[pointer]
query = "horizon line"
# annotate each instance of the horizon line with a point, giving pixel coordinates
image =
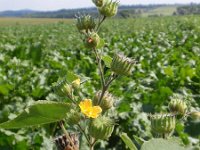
(150, 4)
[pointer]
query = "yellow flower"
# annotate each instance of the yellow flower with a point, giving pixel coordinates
(89, 110)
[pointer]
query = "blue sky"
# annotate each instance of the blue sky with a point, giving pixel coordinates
(59, 4)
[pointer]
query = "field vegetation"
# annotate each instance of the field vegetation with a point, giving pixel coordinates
(34, 53)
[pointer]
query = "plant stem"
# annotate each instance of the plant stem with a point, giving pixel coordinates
(98, 58)
(92, 148)
(100, 22)
(93, 142)
(84, 134)
(106, 86)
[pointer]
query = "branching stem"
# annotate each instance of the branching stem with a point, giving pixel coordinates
(106, 86)
(100, 22)
(82, 130)
(98, 58)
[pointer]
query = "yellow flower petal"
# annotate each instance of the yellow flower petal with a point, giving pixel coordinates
(85, 105)
(88, 110)
(95, 111)
(77, 81)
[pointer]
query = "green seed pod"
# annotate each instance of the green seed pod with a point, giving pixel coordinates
(92, 40)
(73, 117)
(85, 23)
(178, 106)
(195, 116)
(109, 8)
(107, 100)
(163, 124)
(101, 128)
(121, 65)
(98, 3)
(63, 89)
(76, 84)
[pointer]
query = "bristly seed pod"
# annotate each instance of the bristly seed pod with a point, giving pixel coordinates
(101, 128)
(109, 8)
(107, 100)
(62, 143)
(122, 65)
(98, 3)
(178, 106)
(85, 23)
(163, 124)
(76, 83)
(92, 40)
(63, 89)
(73, 117)
(195, 116)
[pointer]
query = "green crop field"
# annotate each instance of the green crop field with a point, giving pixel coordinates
(34, 53)
(29, 21)
(163, 11)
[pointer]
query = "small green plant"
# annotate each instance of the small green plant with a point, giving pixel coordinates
(163, 126)
(89, 116)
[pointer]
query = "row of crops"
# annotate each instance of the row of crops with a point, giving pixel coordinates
(167, 51)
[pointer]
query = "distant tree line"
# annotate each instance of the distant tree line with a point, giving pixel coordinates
(188, 10)
(128, 11)
(123, 12)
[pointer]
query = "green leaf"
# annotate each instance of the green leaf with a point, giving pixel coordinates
(84, 79)
(70, 77)
(107, 60)
(101, 44)
(41, 112)
(128, 141)
(5, 88)
(169, 71)
(161, 144)
(139, 140)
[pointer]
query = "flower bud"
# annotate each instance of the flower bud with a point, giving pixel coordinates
(63, 89)
(163, 124)
(92, 40)
(85, 23)
(195, 116)
(109, 9)
(76, 83)
(122, 65)
(98, 3)
(178, 106)
(73, 117)
(101, 128)
(107, 100)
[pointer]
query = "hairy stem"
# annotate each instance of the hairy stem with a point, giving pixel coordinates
(98, 58)
(100, 22)
(106, 86)
(82, 130)
(93, 142)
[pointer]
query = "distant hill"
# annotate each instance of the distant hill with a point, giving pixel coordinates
(18, 13)
(124, 11)
(188, 10)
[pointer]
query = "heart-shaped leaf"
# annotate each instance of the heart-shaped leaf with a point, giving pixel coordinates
(161, 144)
(41, 112)
(107, 60)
